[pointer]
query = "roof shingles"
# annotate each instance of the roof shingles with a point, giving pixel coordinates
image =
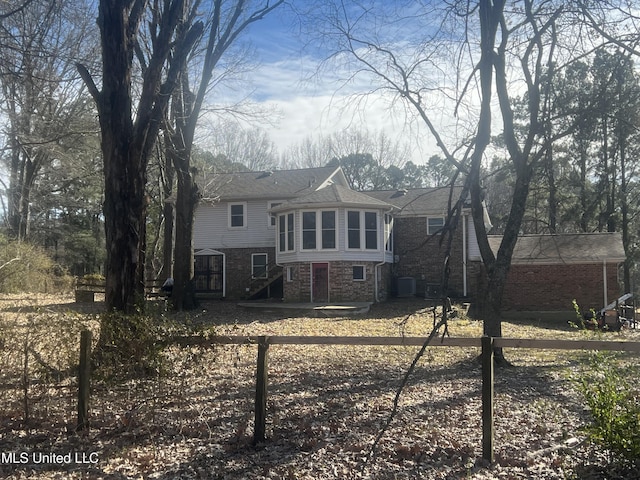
(565, 248)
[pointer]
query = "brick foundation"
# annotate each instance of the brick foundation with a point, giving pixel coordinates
(342, 287)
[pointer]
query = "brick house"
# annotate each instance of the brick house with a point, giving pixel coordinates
(418, 217)
(305, 236)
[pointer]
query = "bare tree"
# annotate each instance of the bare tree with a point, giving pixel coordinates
(41, 97)
(367, 157)
(249, 146)
(226, 23)
(14, 9)
(502, 55)
(309, 153)
(129, 131)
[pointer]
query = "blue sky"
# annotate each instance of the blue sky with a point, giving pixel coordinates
(310, 104)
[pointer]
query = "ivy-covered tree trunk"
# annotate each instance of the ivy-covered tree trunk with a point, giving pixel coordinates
(124, 167)
(125, 216)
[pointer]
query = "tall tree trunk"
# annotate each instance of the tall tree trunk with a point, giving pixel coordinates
(125, 216)
(186, 202)
(553, 190)
(168, 177)
(126, 145)
(179, 147)
(124, 167)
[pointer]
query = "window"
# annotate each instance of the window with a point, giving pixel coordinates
(308, 230)
(371, 230)
(434, 225)
(359, 273)
(329, 230)
(319, 230)
(362, 230)
(290, 231)
(353, 229)
(285, 232)
(259, 265)
(237, 213)
(289, 274)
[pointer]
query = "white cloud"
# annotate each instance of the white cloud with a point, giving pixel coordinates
(311, 105)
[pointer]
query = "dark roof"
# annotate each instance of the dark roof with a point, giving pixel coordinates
(565, 248)
(419, 201)
(333, 196)
(277, 184)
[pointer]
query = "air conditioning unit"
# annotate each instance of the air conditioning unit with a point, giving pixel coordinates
(406, 287)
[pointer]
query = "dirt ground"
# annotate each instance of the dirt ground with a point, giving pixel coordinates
(326, 404)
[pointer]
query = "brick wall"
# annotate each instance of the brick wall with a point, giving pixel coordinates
(238, 269)
(553, 287)
(342, 287)
(422, 257)
(299, 289)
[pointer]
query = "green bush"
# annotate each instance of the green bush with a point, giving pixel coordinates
(28, 268)
(614, 404)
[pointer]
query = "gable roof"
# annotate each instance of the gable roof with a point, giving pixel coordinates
(333, 196)
(419, 201)
(278, 184)
(565, 248)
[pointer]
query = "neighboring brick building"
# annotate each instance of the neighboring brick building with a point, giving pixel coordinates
(549, 271)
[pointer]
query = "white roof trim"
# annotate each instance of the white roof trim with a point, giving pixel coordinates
(207, 251)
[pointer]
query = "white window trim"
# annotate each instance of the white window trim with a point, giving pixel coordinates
(244, 216)
(272, 220)
(289, 274)
(439, 231)
(319, 231)
(364, 273)
(388, 233)
(266, 265)
(363, 231)
(287, 248)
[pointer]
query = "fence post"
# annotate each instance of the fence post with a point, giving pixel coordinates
(487, 399)
(259, 432)
(84, 373)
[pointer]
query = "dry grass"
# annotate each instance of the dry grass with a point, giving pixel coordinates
(326, 403)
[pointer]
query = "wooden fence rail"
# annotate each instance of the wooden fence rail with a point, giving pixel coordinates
(487, 345)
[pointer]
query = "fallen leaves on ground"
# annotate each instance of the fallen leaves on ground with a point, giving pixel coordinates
(326, 404)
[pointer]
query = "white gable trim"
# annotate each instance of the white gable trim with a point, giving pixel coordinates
(208, 251)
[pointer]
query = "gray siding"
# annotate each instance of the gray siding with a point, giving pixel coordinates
(212, 227)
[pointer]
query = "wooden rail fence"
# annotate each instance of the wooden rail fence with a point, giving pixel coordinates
(487, 345)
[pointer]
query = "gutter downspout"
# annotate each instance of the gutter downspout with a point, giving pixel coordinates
(464, 255)
(604, 282)
(224, 275)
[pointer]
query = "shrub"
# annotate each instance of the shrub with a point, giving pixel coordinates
(614, 404)
(129, 345)
(28, 268)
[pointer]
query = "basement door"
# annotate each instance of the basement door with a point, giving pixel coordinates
(320, 282)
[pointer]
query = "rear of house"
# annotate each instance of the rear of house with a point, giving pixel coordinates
(335, 245)
(234, 233)
(305, 236)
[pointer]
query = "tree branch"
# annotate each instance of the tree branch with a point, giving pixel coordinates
(91, 86)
